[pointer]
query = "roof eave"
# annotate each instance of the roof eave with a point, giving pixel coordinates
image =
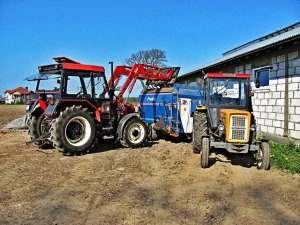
(235, 57)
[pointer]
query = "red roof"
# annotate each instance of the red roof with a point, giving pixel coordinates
(21, 90)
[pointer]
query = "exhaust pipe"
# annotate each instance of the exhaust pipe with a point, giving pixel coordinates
(112, 87)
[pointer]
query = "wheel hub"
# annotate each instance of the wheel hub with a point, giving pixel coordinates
(136, 132)
(74, 131)
(77, 131)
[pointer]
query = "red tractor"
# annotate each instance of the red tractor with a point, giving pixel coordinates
(84, 107)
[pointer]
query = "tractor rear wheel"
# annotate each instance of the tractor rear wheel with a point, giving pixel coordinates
(204, 154)
(73, 132)
(35, 128)
(135, 133)
(263, 156)
(199, 130)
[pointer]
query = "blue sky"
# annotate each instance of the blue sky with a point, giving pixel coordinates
(95, 32)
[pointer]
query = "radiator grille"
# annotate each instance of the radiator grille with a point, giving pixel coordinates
(238, 128)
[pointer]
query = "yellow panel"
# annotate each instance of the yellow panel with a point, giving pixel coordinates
(225, 115)
(200, 107)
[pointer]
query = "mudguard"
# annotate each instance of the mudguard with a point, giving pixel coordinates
(123, 121)
(36, 106)
(31, 107)
(50, 109)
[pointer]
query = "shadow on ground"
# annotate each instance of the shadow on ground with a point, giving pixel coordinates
(245, 160)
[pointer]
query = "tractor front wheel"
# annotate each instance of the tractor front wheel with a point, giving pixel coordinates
(73, 132)
(204, 154)
(36, 128)
(135, 133)
(263, 156)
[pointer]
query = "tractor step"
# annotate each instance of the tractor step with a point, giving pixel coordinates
(108, 137)
(107, 128)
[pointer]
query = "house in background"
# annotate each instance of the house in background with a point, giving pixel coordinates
(273, 60)
(17, 95)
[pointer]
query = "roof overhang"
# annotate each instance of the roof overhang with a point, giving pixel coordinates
(69, 64)
(249, 49)
(227, 75)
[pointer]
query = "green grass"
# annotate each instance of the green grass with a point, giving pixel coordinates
(285, 156)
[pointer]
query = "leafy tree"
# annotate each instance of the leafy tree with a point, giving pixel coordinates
(154, 57)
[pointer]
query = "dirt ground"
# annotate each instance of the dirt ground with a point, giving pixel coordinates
(10, 112)
(158, 184)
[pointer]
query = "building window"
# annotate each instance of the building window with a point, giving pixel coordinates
(262, 77)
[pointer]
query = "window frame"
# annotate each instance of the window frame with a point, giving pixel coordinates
(255, 73)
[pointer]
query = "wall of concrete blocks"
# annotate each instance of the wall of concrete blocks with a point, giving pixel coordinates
(269, 102)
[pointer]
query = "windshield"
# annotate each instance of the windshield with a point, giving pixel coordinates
(39, 76)
(47, 82)
(227, 91)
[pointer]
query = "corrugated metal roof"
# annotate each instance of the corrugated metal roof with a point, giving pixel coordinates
(250, 48)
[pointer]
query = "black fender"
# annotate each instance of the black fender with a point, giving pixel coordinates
(35, 109)
(123, 121)
(51, 108)
(31, 106)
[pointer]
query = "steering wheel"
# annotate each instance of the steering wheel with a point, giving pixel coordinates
(79, 93)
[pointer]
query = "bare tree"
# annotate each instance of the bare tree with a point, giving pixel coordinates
(154, 57)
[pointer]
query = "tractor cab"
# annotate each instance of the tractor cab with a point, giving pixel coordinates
(226, 91)
(67, 79)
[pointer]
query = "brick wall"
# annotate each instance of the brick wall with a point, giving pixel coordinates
(269, 102)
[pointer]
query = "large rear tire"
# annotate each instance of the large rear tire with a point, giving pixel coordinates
(204, 155)
(263, 156)
(73, 132)
(199, 130)
(135, 133)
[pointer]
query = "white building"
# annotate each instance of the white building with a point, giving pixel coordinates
(17, 95)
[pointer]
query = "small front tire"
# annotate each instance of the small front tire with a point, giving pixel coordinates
(135, 133)
(263, 156)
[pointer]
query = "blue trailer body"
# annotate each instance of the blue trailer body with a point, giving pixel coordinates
(171, 107)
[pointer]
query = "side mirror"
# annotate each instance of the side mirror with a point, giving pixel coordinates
(58, 81)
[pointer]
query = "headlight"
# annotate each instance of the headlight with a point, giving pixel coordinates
(221, 127)
(253, 128)
(105, 108)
